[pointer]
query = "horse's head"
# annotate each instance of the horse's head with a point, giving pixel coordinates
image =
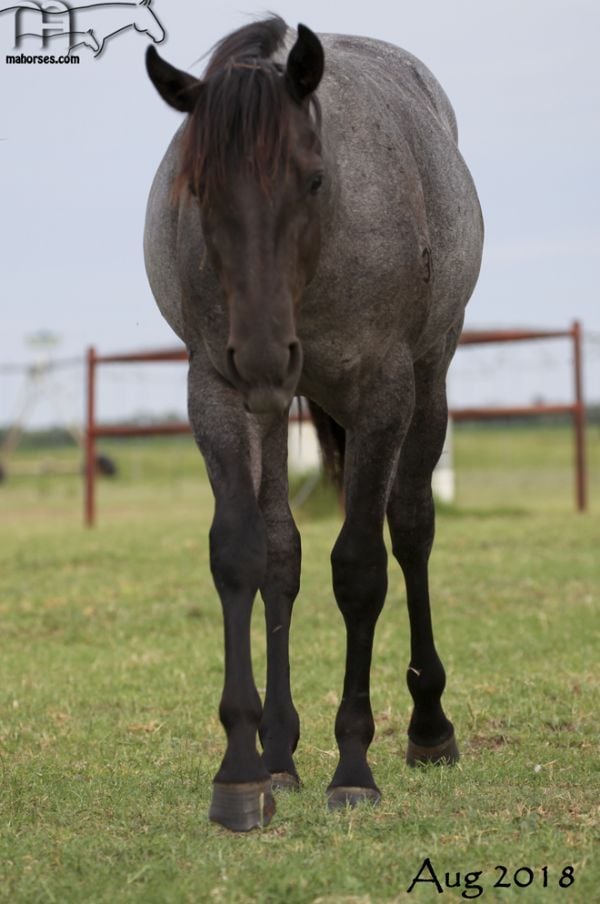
(147, 23)
(89, 39)
(251, 157)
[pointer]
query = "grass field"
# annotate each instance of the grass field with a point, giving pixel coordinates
(111, 670)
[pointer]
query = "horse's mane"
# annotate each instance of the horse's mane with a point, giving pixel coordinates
(241, 116)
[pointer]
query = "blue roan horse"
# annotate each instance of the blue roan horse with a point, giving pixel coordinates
(313, 229)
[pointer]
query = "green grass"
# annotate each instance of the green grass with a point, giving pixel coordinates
(111, 670)
(521, 467)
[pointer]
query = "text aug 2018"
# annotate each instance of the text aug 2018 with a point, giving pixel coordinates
(474, 883)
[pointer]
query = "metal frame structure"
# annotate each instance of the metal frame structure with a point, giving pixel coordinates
(576, 409)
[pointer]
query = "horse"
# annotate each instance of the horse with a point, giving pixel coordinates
(313, 230)
(109, 19)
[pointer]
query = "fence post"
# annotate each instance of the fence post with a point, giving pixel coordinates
(90, 440)
(579, 421)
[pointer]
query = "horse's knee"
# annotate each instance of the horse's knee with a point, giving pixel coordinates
(359, 570)
(282, 577)
(412, 534)
(238, 550)
(412, 550)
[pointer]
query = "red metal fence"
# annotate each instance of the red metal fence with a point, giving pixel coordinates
(576, 409)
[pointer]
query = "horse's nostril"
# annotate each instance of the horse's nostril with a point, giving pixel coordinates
(232, 370)
(295, 359)
(254, 366)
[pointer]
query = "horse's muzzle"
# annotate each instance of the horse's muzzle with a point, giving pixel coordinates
(265, 376)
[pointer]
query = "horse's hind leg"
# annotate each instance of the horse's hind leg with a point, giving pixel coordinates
(242, 797)
(411, 520)
(279, 727)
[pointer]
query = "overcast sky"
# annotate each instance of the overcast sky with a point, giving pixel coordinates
(80, 145)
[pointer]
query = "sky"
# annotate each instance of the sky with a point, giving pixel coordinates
(80, 144)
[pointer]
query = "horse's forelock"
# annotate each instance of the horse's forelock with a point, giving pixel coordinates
(241, 121)
(241, 117)
(258, 39)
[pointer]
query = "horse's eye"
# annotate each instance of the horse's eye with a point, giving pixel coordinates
(316, 183)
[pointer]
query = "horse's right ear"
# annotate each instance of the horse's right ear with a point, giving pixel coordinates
(179, 89)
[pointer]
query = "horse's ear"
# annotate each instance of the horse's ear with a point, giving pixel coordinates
(305, 63)
(179, 89)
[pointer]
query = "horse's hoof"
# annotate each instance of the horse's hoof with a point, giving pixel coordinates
(345, 796)
(285, 781)
(444, 754)
(242, 807)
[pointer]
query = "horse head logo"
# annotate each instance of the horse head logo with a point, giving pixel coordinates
(90, 25)
(110, 19)
(147, 22)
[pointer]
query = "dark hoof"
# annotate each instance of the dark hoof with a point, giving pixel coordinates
(345, 796)
(242, 807)
(285, 781)
(444, 754)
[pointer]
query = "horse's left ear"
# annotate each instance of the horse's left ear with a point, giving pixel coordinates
(305, 64)
(179, 89)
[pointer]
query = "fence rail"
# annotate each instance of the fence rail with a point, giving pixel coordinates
(576, 409)
(96, 431)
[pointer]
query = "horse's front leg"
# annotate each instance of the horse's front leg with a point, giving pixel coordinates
(359, 565)
(279, 727)
(242, 797)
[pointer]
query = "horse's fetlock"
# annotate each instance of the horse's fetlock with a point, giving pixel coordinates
(426, 683)
(282, 735)
(354, 723)
(236, 714)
